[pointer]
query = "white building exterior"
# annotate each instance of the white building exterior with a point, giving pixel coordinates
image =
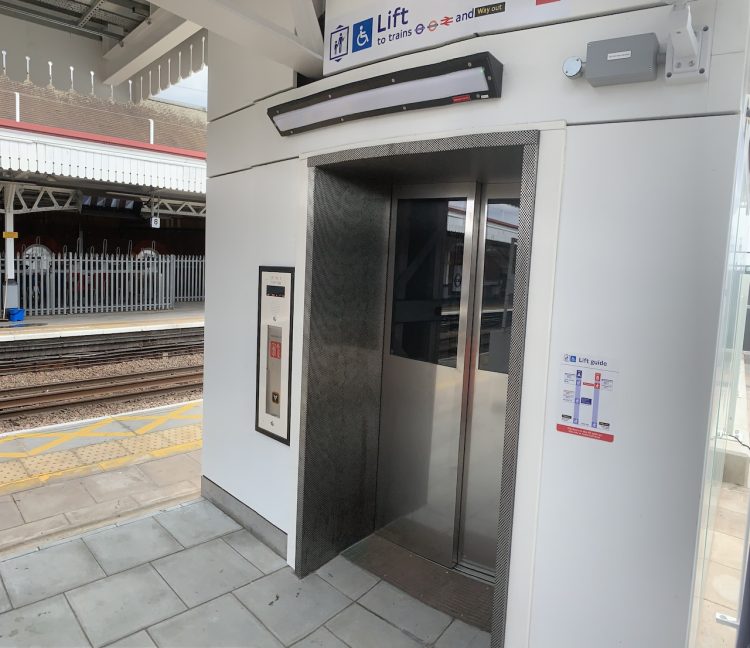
(635, 203)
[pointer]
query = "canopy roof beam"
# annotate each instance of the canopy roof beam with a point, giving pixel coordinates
(145, 44)
(237, 21)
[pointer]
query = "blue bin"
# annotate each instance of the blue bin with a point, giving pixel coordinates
(16, 314)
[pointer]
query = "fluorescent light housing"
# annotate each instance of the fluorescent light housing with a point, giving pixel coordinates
(459, 80)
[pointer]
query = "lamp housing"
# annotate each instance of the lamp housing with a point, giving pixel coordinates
(458, 80)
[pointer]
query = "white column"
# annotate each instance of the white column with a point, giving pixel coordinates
(10, 266)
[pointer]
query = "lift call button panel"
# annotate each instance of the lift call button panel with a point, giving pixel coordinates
(275, 296)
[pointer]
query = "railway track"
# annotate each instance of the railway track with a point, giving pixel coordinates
(45, 398)
(93, 350)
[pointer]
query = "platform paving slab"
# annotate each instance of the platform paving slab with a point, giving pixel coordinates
(727, 550)
(137, 608)
(11, 446)
(31, 532)
(722, 585)
(170, 470)
(10, 516)
(167, 423)
(321, 638)
(51, 571)
(49, 623)
(221, 623)
(12, 471)
(4, 600)
(292, 608)
(21, 537)
(114, 484)
(712, 634)
(129, 545)
(735, 498)
(181, 490)
(96, 453)
(347, 578)
(46, 501)
(252, 549)
(206, 571)
(45, 464)
(405, 612)
(101, 511)
(138, 640)
(196, 523)
(360, 628)
(71, 442)
(120, 605)
(462, 635)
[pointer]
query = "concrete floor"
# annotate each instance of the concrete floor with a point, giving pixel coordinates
(723, 577)
(190, 576)
(65, 479)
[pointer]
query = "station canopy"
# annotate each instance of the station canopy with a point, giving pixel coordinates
(39, 154)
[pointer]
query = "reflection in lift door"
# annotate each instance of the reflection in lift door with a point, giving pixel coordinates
(423, 368)
(445, 371)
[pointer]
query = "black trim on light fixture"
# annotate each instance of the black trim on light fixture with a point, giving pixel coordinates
(493, 73)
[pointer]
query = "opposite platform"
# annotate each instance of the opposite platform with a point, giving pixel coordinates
(184, 315)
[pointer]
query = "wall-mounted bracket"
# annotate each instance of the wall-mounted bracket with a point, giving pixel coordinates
(688, 49)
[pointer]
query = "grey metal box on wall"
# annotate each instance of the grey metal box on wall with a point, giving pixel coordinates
(630, 59)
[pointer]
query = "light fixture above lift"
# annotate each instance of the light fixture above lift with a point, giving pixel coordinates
(458, 80)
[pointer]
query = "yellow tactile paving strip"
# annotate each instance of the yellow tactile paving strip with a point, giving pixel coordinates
(106, 451)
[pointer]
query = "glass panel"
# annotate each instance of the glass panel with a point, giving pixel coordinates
(428, 274)
(723, 544)
(498, 285)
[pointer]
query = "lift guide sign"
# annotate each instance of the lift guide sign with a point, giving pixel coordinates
(380, 31)
(586, 407)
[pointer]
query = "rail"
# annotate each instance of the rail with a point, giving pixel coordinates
(49, 354)
(66, 284)
(27, 400)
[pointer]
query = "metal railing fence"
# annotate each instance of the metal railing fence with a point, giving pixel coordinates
(63, 284)
(190, 278)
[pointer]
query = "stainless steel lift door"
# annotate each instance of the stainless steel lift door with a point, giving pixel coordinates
(445, 371)
(423, 368)
(488, 376)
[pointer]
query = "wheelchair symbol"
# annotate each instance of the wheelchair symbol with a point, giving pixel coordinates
(363, 40)
(362, 35)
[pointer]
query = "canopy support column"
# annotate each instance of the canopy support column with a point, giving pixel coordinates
(10, 292)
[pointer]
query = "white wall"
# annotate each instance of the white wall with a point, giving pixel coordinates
(258, 219)
(239, 77)
(643, 233)
(605, 535)
(534, 89)
(535, 370)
